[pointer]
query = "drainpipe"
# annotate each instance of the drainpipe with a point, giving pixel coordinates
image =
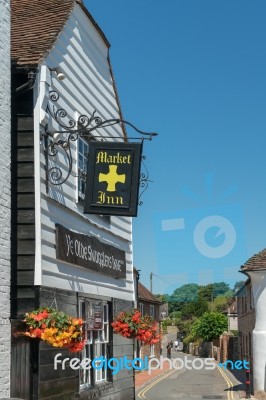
(26, 86)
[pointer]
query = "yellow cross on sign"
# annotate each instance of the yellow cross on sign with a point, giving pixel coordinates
(112, 178)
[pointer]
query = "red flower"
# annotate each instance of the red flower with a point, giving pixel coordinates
(133, 324)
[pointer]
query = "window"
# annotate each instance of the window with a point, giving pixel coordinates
(152, 350)
(152, 310)
(96, 345)
(141, 308)
(83, 151)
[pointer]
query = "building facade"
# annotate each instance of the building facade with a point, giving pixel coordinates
(232, 317)
(148, 304)
(62, 258)
(246, 321)
(5, 200)
(255, 269)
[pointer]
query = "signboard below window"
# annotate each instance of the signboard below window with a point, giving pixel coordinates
(112, 184)
(89, 252)
(94, 316)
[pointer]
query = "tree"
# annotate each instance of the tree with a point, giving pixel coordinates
(220, 304)
(209, 326)
(164, 298)
(175, 315)
(212, 290)
(185, 293)
(194, 309)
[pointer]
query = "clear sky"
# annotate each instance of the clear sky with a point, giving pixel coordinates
(194, 71)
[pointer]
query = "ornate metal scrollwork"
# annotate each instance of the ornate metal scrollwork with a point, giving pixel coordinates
(144, 180)
(59, 141)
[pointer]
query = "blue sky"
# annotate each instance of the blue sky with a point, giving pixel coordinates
(194, 71)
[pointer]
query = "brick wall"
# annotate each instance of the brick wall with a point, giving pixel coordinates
(5, 199)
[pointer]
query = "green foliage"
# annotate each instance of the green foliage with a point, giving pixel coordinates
(213, 290)
(185, 293)
(165, 323)
(184, 326)
(194, 309)
(220, 304)
(175, 315)
(209, 326)
(164, 298)
(192, 292)
(190, 338)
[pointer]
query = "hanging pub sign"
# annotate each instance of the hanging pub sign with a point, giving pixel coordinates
(112, 185)
(89, 252)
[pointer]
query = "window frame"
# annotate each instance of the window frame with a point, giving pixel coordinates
(98, 344)
(81, 172)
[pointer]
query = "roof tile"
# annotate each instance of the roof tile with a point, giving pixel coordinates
(35, 26)
(258, 261)
(145, 294)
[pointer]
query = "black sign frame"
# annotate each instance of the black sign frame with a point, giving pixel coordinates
(122, 160)
(90, 253)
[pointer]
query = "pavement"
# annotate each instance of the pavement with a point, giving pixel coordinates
(144, 377)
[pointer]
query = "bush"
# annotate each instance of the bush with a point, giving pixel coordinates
(210, 326)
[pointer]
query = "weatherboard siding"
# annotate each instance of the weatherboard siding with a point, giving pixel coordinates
(82, 55)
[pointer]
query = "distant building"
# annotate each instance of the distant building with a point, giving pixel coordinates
(232, 317)
(148, 304)
(164, 314)
(253, 303)
(246, 320)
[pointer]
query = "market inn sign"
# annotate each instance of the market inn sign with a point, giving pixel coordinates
(113, 178)
(114, 168)
(89, 252)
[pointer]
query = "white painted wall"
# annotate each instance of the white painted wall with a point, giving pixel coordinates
(258, 283)
(82, 55)
(5, 199)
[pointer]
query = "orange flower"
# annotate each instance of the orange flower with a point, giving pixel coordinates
(55, 328)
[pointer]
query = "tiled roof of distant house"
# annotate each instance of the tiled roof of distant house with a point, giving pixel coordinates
(146, 295)
(35, 26)
(257, 262)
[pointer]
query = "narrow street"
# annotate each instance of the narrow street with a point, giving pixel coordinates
(191, 384)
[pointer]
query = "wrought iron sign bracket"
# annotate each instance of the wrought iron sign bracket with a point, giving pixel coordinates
(59, 141)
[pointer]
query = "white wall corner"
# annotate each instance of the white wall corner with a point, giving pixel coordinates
(45, 83)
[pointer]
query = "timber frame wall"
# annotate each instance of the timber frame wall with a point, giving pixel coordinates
(23, 203)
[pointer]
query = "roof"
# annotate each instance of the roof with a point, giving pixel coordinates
(146, 295)
(35, 26)
(243, 287)
(257, 262)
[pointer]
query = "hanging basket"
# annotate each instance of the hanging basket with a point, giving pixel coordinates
(133, 325)
(56, 328)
